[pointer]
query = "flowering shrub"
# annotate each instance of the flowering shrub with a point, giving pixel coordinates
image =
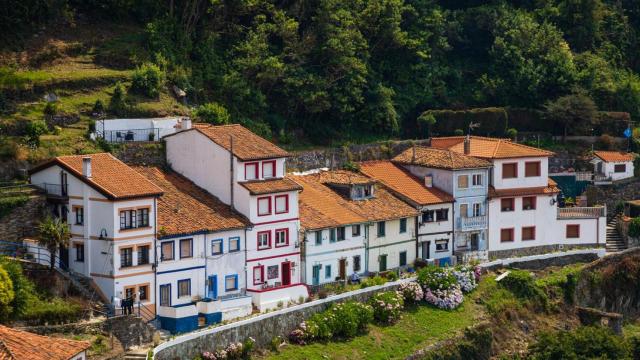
(340, 320)
(466, 278)
(411, 291)
(234, 351)
(387, 306)
(436, 278)
(449, 298)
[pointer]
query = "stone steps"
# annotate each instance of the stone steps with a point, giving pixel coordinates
(614, 240)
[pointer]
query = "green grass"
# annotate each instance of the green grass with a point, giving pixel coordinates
(557, 277)
(63, 74)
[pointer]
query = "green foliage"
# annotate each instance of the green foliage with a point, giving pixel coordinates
(98, 107)
(6, 294)
(426, 120)
(51, 108)
(634, 227)
(148, 79)
(476, 345)
(54, 311)
(213, 113)
(387, 306)
(572, 111)
(511, 133)
(522, 284)
(117, 103)
(7, 204)
(23, 288)
(342, 320)
(34, 130)
(54, 233)
(372, 281)
(583, 343)
(435, 277)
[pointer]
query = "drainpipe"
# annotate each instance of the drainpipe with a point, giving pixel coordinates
(205, 265)
(155, 257)
(417, 231)
(231, 172)
(246, 269)
(366, 248)
(453, 228)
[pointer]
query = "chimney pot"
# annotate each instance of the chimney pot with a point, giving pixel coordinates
(467, 145)
(186, 123)
(86, 166)
(428, 181)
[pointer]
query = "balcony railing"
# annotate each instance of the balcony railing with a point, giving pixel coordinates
(117, 136)
(601, 178)
(581, 212)
(472, 223)
(56, 190)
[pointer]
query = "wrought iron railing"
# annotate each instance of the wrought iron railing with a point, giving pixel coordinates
(581, 212)
(53, 189)
(116, 136)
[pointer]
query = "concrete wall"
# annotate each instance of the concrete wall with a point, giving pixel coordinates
(262, 328)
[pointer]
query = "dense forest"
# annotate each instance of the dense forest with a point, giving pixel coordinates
(324, 68)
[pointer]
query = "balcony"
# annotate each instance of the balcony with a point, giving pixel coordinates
(471, 223)
(54, 191)
(581, 212)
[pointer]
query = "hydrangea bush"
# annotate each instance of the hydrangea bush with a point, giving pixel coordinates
(387, 306)
(444, 298)
(436, 278)
(344, 320)
(234, 351)
(443, 286)
(466, 277)
(412, 292)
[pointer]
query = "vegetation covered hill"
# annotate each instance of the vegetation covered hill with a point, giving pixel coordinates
(325, 70)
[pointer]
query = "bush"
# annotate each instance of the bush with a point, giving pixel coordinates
(391, 276)
(466, 277)
(523, 286)
(7, 204)
(436, 278)
(511, 133)
(634, 227)
(55, 311)
(587, 342)
(449, 298)
(34, 130)
(98, 108)
(373, 281)
(23, 288)
(50, 108)
(344, 320)
(234, 351)
(7, 294)
(412, 292)
(148, 80)
(117, 103)
(213, 113)
(605, 142)
(387, 306)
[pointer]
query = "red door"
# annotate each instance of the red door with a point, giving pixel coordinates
(286, 273)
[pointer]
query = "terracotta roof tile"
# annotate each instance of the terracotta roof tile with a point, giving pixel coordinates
(439, 158)
(110, 176)
(550, 189)
(489, 148)
(344, 177)
(403, 183)
(271, 186)
(614, 156)
(322, 206)
(246, 144)
(22, 345)
(185, 208)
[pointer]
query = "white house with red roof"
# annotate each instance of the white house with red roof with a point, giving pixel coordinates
(524, 217)
(247, 172)
(612, 165)
(111, 211)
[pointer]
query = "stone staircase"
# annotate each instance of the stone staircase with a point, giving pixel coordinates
(614, 240)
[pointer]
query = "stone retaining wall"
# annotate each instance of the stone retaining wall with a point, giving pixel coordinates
(23, 221)
(539, 250)
(610, 195)
(537, 262)
(262, 328)
(144, 154)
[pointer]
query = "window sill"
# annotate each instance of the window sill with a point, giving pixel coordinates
(233, 251)
(186, 257)
(220, 253)
(528, 239)
(264, 248)
(281, 246)
(133, 266)
(136, 228)
(230, 290)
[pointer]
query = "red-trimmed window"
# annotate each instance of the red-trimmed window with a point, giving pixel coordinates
(573, 231)
(532, 168)
(507, 204)
(264, 206)
(282, 237)
(258, 275)
(251, 171)
(506, 235)
(510, 170)
(268, 169)
(529, 203)
(282, 204)
(528, 233)
(264, 240)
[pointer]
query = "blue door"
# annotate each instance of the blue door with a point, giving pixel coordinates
(316, 274)
(212, 292)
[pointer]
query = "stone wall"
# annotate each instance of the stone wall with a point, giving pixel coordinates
(539, 250)
(538, 262)
(262, 328)
(610, 195)
(22, 221)
(337, 157)
(129, 330)
(145, 154)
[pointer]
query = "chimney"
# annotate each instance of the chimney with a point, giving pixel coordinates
(428, 181)
(186, 123)
(86, 167)
(467, 145)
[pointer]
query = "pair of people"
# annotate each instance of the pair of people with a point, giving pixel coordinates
(126, 305)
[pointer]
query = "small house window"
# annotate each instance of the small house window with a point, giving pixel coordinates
(332, 235)
(477, 209)
(272, 272)
(126, 257)
(442, 215)
(403, 226)
(620, 168)
(573, 231)
(282, 237)
(529, 233)
(268, 169)
(355, 230)
(506, 235)
(282, 204)
(166, 251)
(442, 245)
(381, 228)
(216, 247)
(143, 217)
(510, 170)
(231, 282)
(184, 287)
(251, 171)
(529, 203)
(258, 275)
(143, 292)
(264, 240)
(428, 216)
(264, 206)
(186, 248)
(477, 180)
(127, 219)
(234, 244)
(341, 233)
(506, 204)
(356, 263)
(79, 215)
(327, 271)
(403, 258)
(319, 237)
(463, 181)
(79, 252)
(143, 254)
(532, 168)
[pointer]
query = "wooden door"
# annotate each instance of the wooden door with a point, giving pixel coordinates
(342, 269)
(286, 273)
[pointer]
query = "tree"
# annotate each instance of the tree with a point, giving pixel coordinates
(213, 113)
(117, 104)
(6, 294)
(576, 111)
(54, 233)
(34, 130)
(148, 80)
(426, 120)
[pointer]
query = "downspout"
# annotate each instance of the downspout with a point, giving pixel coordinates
(453, 229)
(417, 233)
(206, 273)
(231, 174)
(366, 248)
(155, 257)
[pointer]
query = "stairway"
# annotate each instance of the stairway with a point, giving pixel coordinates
(137, 354)
(614, 240)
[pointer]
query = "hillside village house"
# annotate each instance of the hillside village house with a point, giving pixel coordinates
(111, 210)
(201, 260)
(524, 217)
(434, 222)
(612, 165)
(333, 242)
(467, 179)
(247, 172)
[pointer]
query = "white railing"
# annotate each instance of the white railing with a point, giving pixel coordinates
(601, 178)
(584, 176)
(471, 223)
(581, 212)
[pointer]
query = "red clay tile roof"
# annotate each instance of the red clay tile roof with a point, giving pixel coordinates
(270, 186)
(22, 345)
(109, 176)
(344, 177)
(489, 148)
(614, 156)
(439, 158)
(403, 183)
(246, 144)
(185, 208)
(550, 189)
(322, 197)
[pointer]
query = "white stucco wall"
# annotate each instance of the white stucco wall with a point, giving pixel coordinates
(391, 244)
(521, 181)
(608, 169)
